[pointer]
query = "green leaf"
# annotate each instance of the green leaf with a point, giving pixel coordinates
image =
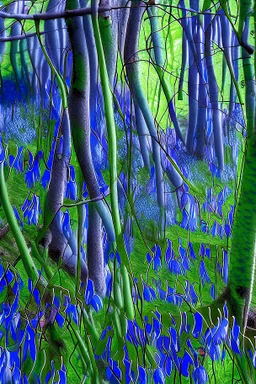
(206, 5)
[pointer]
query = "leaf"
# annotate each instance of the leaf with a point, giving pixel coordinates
(206, 5)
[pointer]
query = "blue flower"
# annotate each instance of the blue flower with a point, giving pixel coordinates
(158, 376)
(185, 364)
(66, 227)
(32, 209)
(142, 375)
(17, 215)
(220, 332)
(212, 291)
(175, 267)
(33, 173)
(46, 178)
(203, 273)
(214, 229)
(225, 266)
(191, 251)
(235, 337)
(200, 375)
(71, 190)
(169, 252)
(157, 258)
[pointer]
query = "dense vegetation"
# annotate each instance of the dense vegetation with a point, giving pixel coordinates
(127, 191)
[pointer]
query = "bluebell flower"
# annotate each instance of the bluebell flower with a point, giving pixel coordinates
(111, 375)
(185, 219)
(66, 227)
(142, 375)
(184, 327)
(46, 178)
(157, 259)
(17, 215)
(231, 215)
(158, 376)
(220, 332)
(191, 295)
(169, 252)
(200, 375)
(193, 215)
(131, 336)
(225, 266)
(203, 273)
(227, 229)
(60, 320)
(148, 258)
(191, 251)
(214, 229)
(157, 326)
(214, 351)
(146, 293)
(212, 291)
(235, 337)
(185, 199)
(202, 249)
(175, 267)
(162, 293)
(89, 293)
(204, 226)
(96, 303)
(225, 310)
(185, 364)
(63, 375)
(168, 365)
(103, 186)
(29, 343)
(71, 190)
(31, 209)
(33, 174)
(220, 230)
(128, 371)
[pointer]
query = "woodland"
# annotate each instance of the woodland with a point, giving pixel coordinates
(127, 191)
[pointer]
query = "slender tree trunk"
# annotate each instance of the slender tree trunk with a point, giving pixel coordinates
(108, 22)
(78, 104)
(242, 258)
(213, 95)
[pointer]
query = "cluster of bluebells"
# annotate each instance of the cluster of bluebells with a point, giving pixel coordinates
(169, 356)
(20, 337)
(180, 264)
(157, 337)
(189, 209)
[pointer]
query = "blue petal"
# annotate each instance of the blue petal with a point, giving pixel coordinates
(142, 376)
(198, 324)
(185, 364)
(89, 292)
(96, 302)
(200, 375)
(158, 376)
(60, 320)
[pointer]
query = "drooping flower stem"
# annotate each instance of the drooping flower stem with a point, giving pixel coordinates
(112, 146)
